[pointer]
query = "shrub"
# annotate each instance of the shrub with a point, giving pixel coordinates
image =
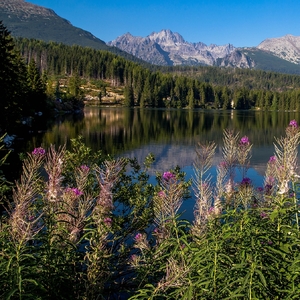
(84, 226)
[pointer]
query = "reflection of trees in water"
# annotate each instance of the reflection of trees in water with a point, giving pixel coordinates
(115, 130)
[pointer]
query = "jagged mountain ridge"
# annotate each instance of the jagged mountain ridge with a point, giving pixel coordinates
(168, 48)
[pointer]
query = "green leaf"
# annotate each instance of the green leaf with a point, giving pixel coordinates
(261, 276)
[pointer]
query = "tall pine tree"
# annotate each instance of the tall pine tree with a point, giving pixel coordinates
(13, 85)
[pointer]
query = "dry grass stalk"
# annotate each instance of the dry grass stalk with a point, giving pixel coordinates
(24, 219)
(202, 185)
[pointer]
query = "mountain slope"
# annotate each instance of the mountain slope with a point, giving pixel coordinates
(24, 19)
(286, 47)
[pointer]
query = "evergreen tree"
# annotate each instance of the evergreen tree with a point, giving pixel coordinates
(74, 86)
(37, 89)
(13, 86)
(129, 97)
(191, 97)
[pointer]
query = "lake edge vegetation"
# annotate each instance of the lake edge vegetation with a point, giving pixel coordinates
(85, 226)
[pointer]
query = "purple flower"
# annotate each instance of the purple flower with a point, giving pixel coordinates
(85, 168)
(260, 189)
(246, 181)
(39, 151)
(272, 159)
(244, 140)
(161, 194)
(77, 192)
(293, 123)
(74, 191)
(138, 237)
(107, 221)
(263, 215)
(134, 258)
(156, 230)
(168, 176)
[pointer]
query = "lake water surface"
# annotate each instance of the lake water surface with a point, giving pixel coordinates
(171, 135)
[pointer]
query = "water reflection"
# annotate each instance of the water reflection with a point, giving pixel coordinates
(171, 135)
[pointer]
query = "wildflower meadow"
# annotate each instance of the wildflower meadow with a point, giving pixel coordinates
(82, 225)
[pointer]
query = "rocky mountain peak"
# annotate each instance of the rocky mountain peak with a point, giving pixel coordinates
(286, 47)
(169, 48)
(166, 37)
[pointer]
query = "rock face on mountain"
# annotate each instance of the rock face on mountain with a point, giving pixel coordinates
(236, 59)
(286, 47)
(168, 48)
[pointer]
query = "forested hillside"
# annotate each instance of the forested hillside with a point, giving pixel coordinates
(153, 86)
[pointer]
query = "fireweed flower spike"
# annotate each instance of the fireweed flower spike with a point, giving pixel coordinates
(168, 176)
(141, 241)
(272, 159)
(293, 123)
(74, 191)
(85, 168)
(39, 151)
(138, 237)
(244, 140)
(107, 221)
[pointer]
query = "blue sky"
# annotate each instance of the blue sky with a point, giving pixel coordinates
(238, 22)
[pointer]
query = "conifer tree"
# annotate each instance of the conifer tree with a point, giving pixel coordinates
(129, 97)
(13, 86)
(37, 89)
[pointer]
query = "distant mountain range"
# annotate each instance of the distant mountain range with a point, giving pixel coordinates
(165, 48)
(170, 48)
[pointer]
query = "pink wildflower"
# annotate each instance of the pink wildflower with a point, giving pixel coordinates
(85, 168)
(156, 230)
(244, 140)
(246, 181)
(75, 191)
(272, 159)
(263, 215)
(107, 221)
(39, 151)
(168, 176)
(161, 194)
(293, 123)
(138, 237)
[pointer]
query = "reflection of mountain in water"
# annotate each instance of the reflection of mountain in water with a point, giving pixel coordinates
(168, 156)
(171, 135)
